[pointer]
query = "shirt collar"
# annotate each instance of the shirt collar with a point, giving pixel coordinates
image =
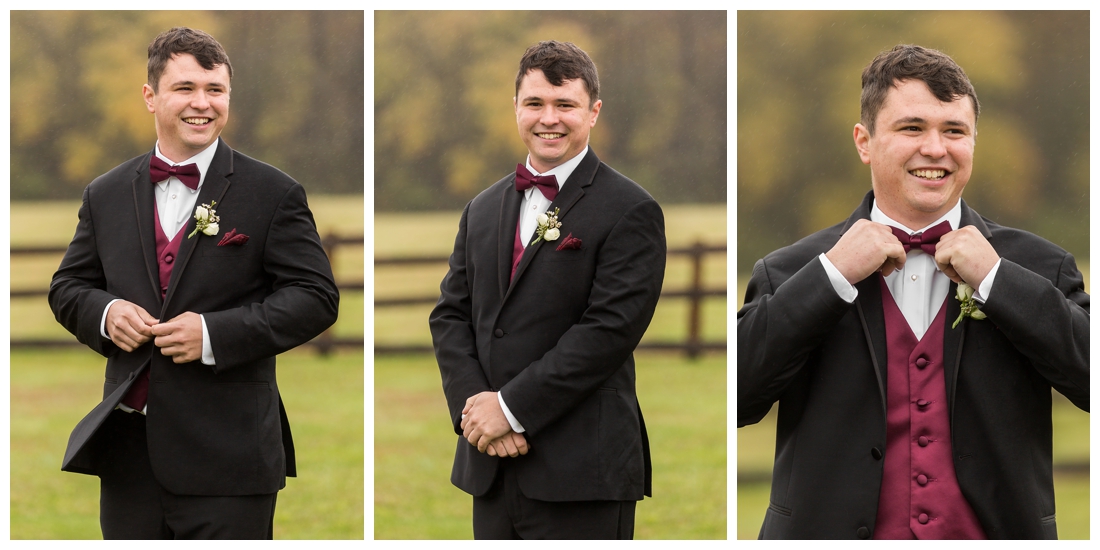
(562, 171)
(953, 216)
(201, 160)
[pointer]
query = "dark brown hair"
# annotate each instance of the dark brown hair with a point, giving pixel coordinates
(180, 40)
(561, 61)
(943, 76)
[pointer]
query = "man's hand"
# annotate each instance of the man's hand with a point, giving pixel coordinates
(180, 338)
(512, 444)
(129, 325)
(483, 420)
(965, 256)
(865, 248)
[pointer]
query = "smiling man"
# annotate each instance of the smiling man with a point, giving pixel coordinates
(554, 277)
(191, 268)
(913, 347)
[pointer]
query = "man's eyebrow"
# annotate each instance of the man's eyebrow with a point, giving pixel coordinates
(192, 84)
(919, 120)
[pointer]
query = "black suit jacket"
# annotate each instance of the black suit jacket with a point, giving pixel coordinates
(212, 430)
(558, 340)
(824, 361)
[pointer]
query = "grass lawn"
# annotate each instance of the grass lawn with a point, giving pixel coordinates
(52, 390)
(685, 409)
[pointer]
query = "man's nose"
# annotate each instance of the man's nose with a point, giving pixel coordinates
(549, 116)
(933, 145)
(200, 100)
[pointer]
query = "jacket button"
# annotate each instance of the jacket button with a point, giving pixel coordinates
(498, 333)
(876, 453)
(863, 532)
(922, 441)
(923, 518)
(922, 480)
(921, 362)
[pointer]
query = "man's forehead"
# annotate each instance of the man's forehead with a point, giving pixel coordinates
(910, 95)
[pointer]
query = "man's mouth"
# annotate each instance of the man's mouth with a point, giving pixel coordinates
(929, 174)
(197, 121)
(547, 135)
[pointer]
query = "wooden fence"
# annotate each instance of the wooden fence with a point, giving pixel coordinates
(324, 343)
(692, 345)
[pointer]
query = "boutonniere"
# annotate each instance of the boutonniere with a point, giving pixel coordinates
(969, 306)
(206, 220)
(569, 243)
(548, 225)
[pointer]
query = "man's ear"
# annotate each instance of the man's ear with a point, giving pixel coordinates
(148, 93)
(596, 111)
(862, 136)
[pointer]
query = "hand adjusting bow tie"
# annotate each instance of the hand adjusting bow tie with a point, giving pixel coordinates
(187, 173)
(526, 180)
(925, 241)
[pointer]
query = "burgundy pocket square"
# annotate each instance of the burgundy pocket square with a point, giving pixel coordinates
(232, 238)
(569, 243)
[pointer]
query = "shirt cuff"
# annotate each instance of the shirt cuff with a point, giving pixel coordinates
(982, 294)
(207, 351)
(103, 320)
(843, 288)
(516, 426)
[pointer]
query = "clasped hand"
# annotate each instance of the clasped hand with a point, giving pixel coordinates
(485, 426)
(130, 326)
(964, 255)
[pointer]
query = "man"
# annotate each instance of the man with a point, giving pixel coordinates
(894, 422)
(192, 266)
(554, 277)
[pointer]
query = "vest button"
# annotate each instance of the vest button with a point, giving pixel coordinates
(876, 453)
(922, 403)
(863, 532)
(922, 441)
(168, 259)
(498, 333)
(923, 518)
(921, 362)
(922, 480)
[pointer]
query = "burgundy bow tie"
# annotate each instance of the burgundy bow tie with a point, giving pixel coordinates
(187, 173)
(925, 241)
(526, 180)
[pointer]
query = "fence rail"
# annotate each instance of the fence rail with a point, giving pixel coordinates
(693, 345)
(324, 343)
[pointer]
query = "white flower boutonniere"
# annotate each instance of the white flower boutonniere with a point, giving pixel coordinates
(206, 220)
(965, 295)
(548, 225)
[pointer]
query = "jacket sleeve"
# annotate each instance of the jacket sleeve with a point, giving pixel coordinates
(777, 330)
(1048, 322)
(453, 336)
(629, 274)
(303, 302)
(77, 292)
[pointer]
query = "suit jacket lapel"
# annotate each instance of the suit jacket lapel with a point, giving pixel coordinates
(214, 186)
(571, 192)
(869, 307)
(144, 199)
(953, 339)
(506, 232)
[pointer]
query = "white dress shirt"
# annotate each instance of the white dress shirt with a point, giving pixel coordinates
(175, 206)
(535, 203)
(920, 288)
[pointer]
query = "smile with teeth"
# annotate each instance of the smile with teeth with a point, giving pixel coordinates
(197, 120)
(549, 135)
(929, 174)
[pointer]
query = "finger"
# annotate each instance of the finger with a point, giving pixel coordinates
(520, 443)
(464, 422)
(509, 446)
(491, 451)
(500, 447)
(482, 443)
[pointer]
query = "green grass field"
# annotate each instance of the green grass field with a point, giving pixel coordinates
(684, 402)
(51, 390)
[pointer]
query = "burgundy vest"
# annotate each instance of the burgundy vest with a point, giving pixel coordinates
(920, 496)
(517, 252)
(167, 250)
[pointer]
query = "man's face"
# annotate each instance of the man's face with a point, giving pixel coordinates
(191, 106)
(921, 154)
(554, 121)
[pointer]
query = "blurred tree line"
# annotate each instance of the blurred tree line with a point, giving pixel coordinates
(798, 88)
(77, 109)
(444, 81)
